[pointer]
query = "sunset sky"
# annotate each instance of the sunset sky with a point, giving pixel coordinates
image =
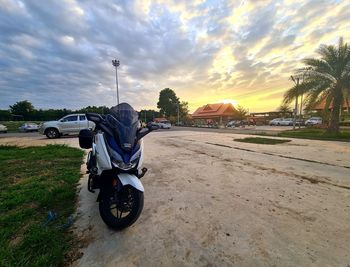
(58, 54)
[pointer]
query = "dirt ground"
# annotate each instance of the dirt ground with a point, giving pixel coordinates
(211, 201)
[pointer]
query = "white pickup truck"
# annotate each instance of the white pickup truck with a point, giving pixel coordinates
(70, 124)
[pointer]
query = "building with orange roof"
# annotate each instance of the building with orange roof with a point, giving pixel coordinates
(321, 106)
(160, 120)
(215, 113)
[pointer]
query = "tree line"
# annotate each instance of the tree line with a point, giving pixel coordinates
(169, 106)
(25, 111)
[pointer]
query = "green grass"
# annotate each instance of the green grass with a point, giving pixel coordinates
(33, 181)
(261, 140)
(318, 134)
(12, 126)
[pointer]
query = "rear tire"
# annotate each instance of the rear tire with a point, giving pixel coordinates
(107, 204)
(52, 133)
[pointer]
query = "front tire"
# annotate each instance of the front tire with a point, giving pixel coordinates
(52, 133)
(128, 202)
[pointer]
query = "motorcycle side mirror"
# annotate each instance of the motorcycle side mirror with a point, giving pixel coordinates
(95, 117)
(152, 126)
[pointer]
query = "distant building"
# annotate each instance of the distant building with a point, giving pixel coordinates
(160, 120)
(321, 106)
(214, 113)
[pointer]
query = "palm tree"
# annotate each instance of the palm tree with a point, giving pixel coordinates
(241, 113)
(284, 108)
(325, 79)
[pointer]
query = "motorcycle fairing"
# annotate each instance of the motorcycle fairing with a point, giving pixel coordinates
(123, 120)
(103, 160)
(126, 156)
(130, 179)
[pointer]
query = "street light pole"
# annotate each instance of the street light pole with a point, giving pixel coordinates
(296, 81)
(178, 114)
(301, 97)
(301, 110)
(116, 64)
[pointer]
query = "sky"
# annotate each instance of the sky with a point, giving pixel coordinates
(57, 54)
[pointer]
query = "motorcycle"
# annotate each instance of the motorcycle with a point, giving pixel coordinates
(114, 164)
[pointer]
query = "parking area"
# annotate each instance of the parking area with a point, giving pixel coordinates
(252, 129)
(212, 201)
(35, 139)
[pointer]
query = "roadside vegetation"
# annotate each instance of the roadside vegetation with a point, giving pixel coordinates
(262, 140)
(324, 79)
(317, 134)
(12, 126)
(170, 106)
(34, 181)
(25, 111)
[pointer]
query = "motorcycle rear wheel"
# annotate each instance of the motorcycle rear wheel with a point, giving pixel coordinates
(129, 203)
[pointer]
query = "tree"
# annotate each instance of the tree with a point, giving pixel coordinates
(94, 109)
(241, 113)
(5, 115)
(325, 79)
(148, 115)
(184, 109)
(168, 102)
(22, 108)
(284, 108)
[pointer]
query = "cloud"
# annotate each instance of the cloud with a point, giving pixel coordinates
(58, 53)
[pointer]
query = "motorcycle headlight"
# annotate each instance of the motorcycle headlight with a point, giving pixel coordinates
(125, 166)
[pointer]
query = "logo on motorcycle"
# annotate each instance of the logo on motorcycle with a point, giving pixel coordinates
(127, 145)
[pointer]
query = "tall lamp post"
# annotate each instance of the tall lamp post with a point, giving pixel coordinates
(296, 81)
(116, 64)
(305, 73)
(178, 113)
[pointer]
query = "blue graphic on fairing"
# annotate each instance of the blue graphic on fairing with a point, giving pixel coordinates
(126, 156)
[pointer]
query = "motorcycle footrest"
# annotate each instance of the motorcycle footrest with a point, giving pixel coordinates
(90, 185)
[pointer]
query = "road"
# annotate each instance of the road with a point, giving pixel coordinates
(243, 205)
(271, 130)
(212, 201)
(239, 130)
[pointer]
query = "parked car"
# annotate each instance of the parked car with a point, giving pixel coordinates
(28, 127)
(164, 125)
(70, 124)
(313, 121)
(286, 122)
(275, 121)
(3, 128)
(299, 122)
(232, 124)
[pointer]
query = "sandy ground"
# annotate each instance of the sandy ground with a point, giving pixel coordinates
(211, 201)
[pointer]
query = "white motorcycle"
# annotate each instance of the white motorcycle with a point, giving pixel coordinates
(115, 164)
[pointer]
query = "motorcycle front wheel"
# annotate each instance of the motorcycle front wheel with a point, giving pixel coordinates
(121, 209)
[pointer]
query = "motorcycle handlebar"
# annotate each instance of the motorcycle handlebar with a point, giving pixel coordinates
(100, 122)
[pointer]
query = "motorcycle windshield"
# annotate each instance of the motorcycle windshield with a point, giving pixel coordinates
(123, 120)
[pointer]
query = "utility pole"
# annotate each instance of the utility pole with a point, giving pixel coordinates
(301, 97)
(301, 110)
(178, 114)
(116, 64)
(296, 81)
